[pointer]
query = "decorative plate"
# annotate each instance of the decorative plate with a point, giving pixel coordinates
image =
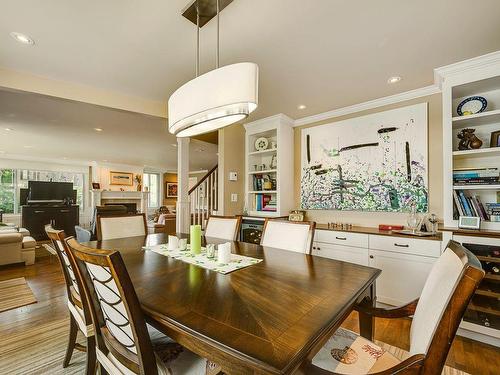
(261, 144)
(472, 105)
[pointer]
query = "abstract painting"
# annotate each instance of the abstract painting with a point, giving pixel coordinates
(376, 162)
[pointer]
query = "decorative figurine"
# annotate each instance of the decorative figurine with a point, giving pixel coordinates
(468, 140)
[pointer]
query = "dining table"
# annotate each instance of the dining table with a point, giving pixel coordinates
(267, 318)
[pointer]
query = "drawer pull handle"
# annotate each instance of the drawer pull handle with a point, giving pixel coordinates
(398, 245)
(64, 211)
(341, 238)
(39, 212)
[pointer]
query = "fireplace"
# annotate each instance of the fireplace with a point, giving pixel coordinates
(131, 207)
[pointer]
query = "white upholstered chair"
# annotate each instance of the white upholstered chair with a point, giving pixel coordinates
(288, 235)
(223, 227)
(112, 227)
(436, 316)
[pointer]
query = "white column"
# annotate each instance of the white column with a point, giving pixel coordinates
(183, 207)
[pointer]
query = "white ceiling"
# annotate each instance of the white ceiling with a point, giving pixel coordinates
(62, 129)
(326, 54)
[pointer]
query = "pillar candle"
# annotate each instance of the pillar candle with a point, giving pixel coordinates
(195, 239)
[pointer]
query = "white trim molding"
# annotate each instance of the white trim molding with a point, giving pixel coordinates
(371, 104)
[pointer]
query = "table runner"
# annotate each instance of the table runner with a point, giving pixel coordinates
(237, 261)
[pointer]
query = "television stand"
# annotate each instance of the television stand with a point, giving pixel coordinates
(60, 216)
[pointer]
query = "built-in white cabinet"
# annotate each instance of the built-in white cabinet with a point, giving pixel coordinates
(405, 262)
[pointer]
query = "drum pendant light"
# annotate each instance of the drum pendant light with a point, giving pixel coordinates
(215, 99)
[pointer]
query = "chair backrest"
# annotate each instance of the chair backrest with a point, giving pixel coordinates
(223, 227)
(288, 235)
(121, 334)
(445, 296)
(82, 235)
(74, 284)
(111, 227)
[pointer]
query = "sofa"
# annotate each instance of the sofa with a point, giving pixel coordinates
(165, 223)
(16, 247)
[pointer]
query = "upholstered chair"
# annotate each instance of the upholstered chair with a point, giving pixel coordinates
(124, 343)
(80, 319)
(288, 235)
(112, 227)
(223, 227)
(436, 317)
(82, 234)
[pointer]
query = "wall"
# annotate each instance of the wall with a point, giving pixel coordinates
(169, 177)
(231, 159)
(101, 175)
(435, 161)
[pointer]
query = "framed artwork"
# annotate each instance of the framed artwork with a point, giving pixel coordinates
(96, 186)
(495, 139)
(171, 189)
(376, 162)
(121, 178)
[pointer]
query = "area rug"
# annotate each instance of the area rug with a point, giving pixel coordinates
(15, 293)
(403, 354)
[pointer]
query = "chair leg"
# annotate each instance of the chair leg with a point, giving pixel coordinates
(73, 330)
(91, 357)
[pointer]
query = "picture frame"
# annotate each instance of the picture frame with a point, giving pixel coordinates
(121, 178)
(96, 186)
(171, 190)
(495, 139)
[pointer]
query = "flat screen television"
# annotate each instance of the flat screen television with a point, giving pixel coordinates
(41, 191)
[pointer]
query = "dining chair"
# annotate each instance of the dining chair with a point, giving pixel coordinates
(111, 227)
(436, 316)
(223, 227)
(123, 342)
(288, 235)
(80, 318)
(82, 235)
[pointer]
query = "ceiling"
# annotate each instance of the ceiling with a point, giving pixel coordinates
(324, 54)
(60, 129)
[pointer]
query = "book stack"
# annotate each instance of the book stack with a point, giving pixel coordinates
(476, 176)
(467, 205)
(493, 211)
(265, 202)
(257, 182)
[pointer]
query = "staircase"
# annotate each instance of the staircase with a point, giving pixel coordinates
(203, 198)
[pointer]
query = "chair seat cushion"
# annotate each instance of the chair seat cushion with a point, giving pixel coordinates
(348, 353)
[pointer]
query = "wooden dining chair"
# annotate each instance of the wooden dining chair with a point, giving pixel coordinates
(288, 235)
(111, 227)
(80, 318)
(436, 316)
(223, 227)
(124, 345)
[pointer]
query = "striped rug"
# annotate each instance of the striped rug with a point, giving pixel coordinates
(15, 293)
(403, 354)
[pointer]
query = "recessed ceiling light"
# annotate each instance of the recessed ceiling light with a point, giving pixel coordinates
(2, 152)
(301, 107)
(8, 129)
(22, 38)
(104, 159)
(98, 129)
(173, 144)
(65, 158)
(28, 146)
(394, 79)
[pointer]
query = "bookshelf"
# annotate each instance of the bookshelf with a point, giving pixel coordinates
(273, 165)
(455, 88)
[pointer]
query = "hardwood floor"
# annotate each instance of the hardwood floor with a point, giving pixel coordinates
(47, 283)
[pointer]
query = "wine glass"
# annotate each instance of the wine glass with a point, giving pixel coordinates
(414, 220)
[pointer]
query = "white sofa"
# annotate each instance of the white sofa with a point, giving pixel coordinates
(16, 247)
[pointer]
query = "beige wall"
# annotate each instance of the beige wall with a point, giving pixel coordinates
(232, 159)
(103, 177)
(435, 135)
(168, 177)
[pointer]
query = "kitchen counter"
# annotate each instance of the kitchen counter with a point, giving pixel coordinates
(376, 231)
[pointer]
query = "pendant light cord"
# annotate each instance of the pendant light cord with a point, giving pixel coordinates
(217, 57)
(198, 38)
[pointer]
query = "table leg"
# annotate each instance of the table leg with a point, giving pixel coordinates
(366, 326)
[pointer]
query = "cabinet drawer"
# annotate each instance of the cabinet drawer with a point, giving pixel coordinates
(406, 245)
(339, 252)
(342, 238)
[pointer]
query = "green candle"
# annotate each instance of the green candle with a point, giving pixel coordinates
(195, 239)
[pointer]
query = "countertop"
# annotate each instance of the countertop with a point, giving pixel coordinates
(472, 232)
(376, 231)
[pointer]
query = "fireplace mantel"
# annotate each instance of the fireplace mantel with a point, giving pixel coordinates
(100, 197)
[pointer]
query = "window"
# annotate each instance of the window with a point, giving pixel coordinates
(13, 180)
(152, 182)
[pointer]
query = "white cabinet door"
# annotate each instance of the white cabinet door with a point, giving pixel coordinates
(339, 252)
(403, 275)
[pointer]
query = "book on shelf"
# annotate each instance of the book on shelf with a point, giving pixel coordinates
(469, 205)
(265, 202)
(493, 210)
(476, 176)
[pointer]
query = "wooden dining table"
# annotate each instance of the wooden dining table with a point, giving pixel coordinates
(267, 318)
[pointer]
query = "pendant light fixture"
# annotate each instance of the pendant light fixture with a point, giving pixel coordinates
(215, 99)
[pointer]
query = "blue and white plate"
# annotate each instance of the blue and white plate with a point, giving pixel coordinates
(473, 104)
